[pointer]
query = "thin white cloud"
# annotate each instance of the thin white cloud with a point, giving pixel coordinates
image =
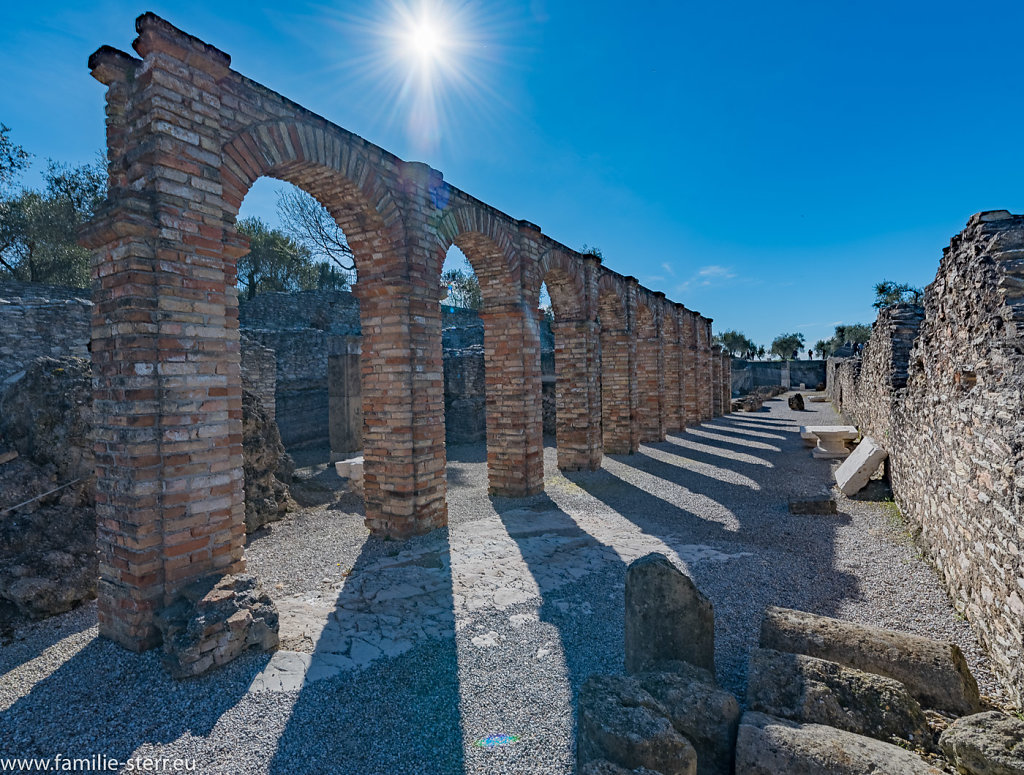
(713, 274)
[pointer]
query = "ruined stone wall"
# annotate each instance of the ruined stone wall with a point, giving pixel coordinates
(259, 373)
(948, 406)
(38, 320)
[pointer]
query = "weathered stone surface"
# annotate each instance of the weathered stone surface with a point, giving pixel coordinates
(811, 690)
(622, 723)
(667, 617)
(48, 561)
(213, 621)
(605, 767)
(854, 472)
(771, 746)
(934, 672)
(47, 415)
(985, 744)
(796, 402)
(266, 466)
(706, 715)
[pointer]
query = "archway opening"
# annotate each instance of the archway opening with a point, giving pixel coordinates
(465, 374)
(296, 300)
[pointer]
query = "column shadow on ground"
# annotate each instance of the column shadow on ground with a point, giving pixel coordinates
(382, 687)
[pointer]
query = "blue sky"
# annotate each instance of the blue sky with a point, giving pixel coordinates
(764, 163)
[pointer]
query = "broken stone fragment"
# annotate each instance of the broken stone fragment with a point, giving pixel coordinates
(796, 402)
(934, 672)
(212, 621)
(766, 745)
(856, 470)
(814, 504)
(811, 690)
(985, 744)
(706, 715)
(667, 617)
(623, 724)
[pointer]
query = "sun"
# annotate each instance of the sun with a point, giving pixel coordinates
(426, 40)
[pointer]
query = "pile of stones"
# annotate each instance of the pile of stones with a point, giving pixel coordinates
(754, 400)
(214, 620)
(823, 696)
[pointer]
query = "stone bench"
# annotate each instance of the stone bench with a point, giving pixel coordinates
(829, 441)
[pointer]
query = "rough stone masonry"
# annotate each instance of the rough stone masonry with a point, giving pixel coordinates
(940, 388)
(186, 139)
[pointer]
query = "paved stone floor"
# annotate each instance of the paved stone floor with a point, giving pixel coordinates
(404, 657)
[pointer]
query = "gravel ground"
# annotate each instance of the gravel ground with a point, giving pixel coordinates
(530, 613)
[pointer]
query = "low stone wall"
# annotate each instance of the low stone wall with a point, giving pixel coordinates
(747, 375)
(942, 389)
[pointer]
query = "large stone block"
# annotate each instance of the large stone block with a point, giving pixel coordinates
(857, 469)
(934, 672)
(623, 724)
(811, 690)
(667, 617)
(706, 715)
(770, 746)
(985, 744)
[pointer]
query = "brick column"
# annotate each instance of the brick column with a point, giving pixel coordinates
(704, 389)
(672, 348)
(649, 361)
(726, 383)
(716, 381)
(688, 331)
(619, 395)
(167, 393)
(515, 439)
(404, 481)
(578, 429)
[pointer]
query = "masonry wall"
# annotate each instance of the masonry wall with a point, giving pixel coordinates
(942, 388)
(40, 320)
(747, 375)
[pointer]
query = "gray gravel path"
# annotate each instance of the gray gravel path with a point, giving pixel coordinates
(409, 653)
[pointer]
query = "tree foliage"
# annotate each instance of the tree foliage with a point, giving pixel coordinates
(277, 262)
(39, 229)
(13, 158)
(786, 346)
(888, 293)
(592, 250)
(462, 287)
(853, 333)
(825, 347)
(736, 344)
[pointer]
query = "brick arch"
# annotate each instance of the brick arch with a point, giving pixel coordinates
(645, 319)
(339, 175)
(515, 438)
(563, 274)
(489, 246)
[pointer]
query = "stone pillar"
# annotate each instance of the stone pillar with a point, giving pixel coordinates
(515, 436)
(167, 391)
(716, 381)
(673, 374)
(345, 397)
(578, 423)
(690, 359)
